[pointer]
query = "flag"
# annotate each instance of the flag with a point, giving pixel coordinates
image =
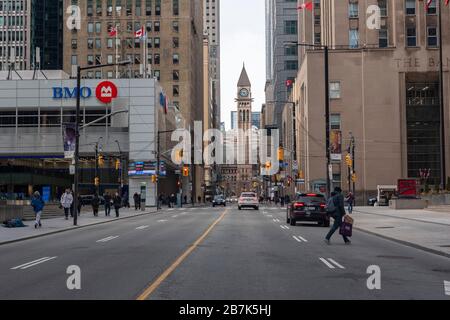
(306, 5)
(289, 83)
(113, 32)
(166, 105)
(139, 33)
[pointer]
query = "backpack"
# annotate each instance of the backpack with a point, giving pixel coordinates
(331, 207)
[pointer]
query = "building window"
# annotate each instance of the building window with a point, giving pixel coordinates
(291, 51)
(176, 58)
(410, 7)
(157, 58)
(335, 90)
(158, 7)
(353, 10)
(176, 91)
(411, 40)
(353, 36)
(157, 43)
(148, 7)
(335, 122)
(157, 74)
(290, 27)
(176, 42)
(90, 60)
(176, 75)
(432, 38)
(291, 65)
(175, 26)
(176, 7)
(157, 26)
(74, 44)
(382, 4)
(383, 37)
(74, 60)
(432, 8)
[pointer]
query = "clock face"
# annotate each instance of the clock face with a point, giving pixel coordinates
(244, 93)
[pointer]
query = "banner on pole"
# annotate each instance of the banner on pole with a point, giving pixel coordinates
(336, 145)
(69, 140)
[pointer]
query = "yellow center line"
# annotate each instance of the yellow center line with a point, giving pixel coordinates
(147, 292)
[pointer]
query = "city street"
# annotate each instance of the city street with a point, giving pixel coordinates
(216, 253)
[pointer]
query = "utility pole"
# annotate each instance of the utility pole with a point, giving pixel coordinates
(442, 105)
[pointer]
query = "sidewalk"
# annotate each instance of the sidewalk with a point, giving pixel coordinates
(427, 230)
(56, 225)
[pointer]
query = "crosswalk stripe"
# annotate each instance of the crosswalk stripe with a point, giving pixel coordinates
(303, 239)
(329, 265)
(297, 239)
(142, 227)
(337, 264)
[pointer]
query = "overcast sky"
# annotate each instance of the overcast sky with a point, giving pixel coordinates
(242, 40)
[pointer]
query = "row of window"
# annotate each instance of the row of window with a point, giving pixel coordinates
(97, 59)
(131, 27)
(129, 43)
(128, 7)
(16, 5)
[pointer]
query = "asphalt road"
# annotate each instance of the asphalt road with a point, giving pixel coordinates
(216, 253)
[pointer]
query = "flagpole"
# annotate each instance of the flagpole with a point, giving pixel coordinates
(442, 107)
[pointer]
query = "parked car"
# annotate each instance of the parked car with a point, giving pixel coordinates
(248, 200)
(219, 200)
(234, 199)
(309, 207)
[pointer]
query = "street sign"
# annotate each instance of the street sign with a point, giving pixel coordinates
(72, 169)
(177, 171)
(295, 165)
(300, 181)
(330, 172)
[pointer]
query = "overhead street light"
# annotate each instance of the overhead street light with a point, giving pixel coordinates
(77, 129)
(327, 103)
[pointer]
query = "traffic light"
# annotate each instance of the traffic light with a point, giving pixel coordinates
(349, 160)
(101, 160)
(185, 171)
(280, 154)
(354, 177)
(268, 165)
(154, 179)
(97, 181)
(117, 164)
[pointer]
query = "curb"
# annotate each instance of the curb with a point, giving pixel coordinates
(403, 218)
(73, 228)
(405, 243)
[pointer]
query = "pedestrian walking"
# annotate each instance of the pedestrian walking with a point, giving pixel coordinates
(107, 204)
(38, 206)
(336, 209)
(136, 201)
(95, 204)
(117, 202)
(66, 203)
(350, 202)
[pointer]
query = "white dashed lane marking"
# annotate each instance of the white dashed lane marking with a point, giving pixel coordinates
(142, 227)
(299, 239)
(332, 264)
(162, 220)
(33, 263)
(108, 239)
(284, 227)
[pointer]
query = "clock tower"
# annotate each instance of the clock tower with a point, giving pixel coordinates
(244, 113)
(244, 101)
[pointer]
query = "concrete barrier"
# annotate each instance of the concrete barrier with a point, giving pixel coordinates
(10, 212)
(405, 204)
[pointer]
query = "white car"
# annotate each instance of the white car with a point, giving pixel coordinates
(248, 200)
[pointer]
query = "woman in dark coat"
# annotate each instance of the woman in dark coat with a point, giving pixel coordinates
(117, 202)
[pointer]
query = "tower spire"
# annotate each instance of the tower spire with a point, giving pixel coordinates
(244, 81)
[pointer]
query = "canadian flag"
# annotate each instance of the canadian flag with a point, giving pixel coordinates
(307, 5)
(139, 33)
(113, 32)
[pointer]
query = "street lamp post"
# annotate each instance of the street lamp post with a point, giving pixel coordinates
(77, 132)
(327, 105)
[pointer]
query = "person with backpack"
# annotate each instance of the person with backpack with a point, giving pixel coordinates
(336, 209)
(117, 202)
(95, 204)
(38, 206)
(66, 203)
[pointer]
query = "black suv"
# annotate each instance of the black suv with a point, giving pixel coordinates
(309, 207)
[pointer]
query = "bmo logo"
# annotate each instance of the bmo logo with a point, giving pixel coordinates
(106, 91)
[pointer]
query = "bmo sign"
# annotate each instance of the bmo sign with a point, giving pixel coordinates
(106, 92)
